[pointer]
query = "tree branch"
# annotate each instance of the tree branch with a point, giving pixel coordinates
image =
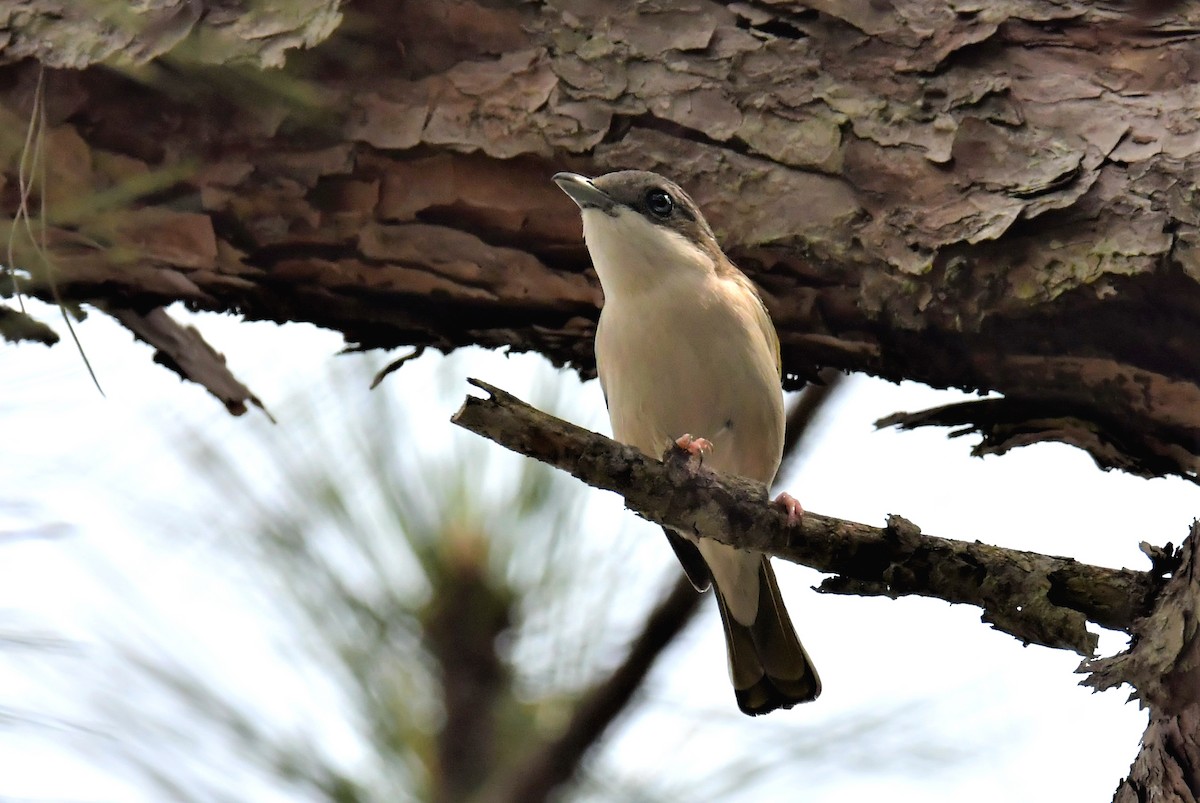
(1036, 598)
(1163, 660)
(1007, 221)
(1162, 665)
(555, 762)
(552, 763)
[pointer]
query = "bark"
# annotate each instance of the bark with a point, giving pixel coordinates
(1163, 770)
(1162, 665)
(183, 350)
(992, 196)
(76, 35)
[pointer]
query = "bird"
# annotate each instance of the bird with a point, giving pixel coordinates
(686, 352)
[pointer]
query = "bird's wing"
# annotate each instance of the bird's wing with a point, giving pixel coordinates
(694, 565)
(763, 319)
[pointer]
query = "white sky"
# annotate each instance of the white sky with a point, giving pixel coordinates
(1027, 730)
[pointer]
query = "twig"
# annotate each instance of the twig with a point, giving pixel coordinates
(396, 365)
(1039, 599)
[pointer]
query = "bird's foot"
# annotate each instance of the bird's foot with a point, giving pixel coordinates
(794, 511)
(694, 446)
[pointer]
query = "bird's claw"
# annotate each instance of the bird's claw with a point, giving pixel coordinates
(694, 446)
(789, 503)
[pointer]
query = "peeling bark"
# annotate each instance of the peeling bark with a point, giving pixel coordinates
(994, 198)
(16, 326)
(76, 35)
(1164, 768)
(1162, 666)
(184, 351)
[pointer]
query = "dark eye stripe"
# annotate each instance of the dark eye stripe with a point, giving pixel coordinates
(683, 211)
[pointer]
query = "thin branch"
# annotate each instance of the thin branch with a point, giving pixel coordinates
(1039, 599)
(553, 763)
(396, 365)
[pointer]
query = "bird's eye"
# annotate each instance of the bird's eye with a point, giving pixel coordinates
(660, 203)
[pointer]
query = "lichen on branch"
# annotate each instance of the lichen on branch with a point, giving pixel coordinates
(1038, 599)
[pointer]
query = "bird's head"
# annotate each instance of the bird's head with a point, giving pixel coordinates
(641, 229)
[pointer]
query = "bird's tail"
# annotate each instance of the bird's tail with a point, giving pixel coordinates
(769, 666)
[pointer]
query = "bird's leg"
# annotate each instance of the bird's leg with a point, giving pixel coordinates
(789, 503)
(694, 446)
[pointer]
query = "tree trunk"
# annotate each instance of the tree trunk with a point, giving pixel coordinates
(994, 196)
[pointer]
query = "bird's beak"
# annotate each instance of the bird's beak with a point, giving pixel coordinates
(583, 192)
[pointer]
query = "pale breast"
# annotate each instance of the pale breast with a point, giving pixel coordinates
(694, 361)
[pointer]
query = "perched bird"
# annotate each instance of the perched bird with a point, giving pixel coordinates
(687, 352)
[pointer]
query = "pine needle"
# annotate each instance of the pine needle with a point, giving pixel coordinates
(33, 160)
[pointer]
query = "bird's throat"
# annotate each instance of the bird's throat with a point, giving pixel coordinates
(634, 257)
